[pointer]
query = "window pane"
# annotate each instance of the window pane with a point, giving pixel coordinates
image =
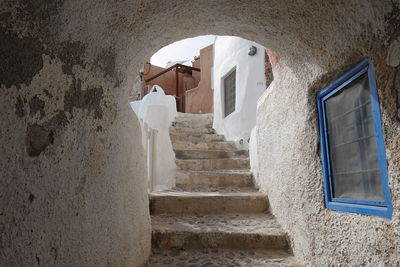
(352, 144)
(230, 93)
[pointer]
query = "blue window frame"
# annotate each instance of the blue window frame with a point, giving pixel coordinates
(352, 146)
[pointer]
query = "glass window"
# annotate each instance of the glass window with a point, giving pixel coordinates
(354, 161)
(230, 92)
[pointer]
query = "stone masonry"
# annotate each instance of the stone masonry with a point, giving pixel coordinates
(215, 216)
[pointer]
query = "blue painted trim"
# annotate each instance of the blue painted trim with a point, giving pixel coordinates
(380, 145)
(362, 202)
(376, 208)
(384, 212)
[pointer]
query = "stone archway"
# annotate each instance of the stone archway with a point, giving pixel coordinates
(66, 69)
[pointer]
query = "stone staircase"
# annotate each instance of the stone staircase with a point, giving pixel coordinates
(214, 216)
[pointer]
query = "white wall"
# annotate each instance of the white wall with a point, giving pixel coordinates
(253, 155)
(231, 52)
(156, 112)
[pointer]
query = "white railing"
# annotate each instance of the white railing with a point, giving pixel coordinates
(151, 155)
(156, 111)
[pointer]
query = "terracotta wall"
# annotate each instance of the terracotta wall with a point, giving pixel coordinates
(167, 81)
(273, 58)
(196, 87)
(196, 75)
(200, 99)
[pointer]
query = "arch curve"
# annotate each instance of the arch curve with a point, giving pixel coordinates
(80, 58)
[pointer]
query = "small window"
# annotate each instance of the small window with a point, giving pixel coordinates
(230, 92)
(353, 153)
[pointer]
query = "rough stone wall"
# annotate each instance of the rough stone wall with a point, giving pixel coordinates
(72, 182)
(290, 171)
(290, 158)
(72, 168)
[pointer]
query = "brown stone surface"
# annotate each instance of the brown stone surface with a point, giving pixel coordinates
(222, 257)
(258, 223)
(242, 232)
(209, 154)
(213, 164)
(217, 145)
(190, 180)
(190, 202)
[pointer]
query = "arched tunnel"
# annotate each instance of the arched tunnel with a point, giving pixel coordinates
(72, 186)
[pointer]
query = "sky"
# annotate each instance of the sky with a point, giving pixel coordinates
(184, 50)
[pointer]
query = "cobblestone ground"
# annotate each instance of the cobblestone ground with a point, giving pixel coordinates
(221, 257)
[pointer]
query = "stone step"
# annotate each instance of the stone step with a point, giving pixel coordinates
(196, 138)
(193, 124)
(210, 154)
(190, 130)
(199, 203)
(223, 145)
(250, 231)
(194, 118)
(213, 179)
(213, 164)
(222, 257)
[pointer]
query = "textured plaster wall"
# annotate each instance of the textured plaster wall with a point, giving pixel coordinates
(290, 171)
(73, 187)
(72, 183)
(289, 158)
(232, 53)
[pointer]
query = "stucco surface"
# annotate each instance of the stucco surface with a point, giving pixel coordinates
(232, 53)
(290, 172)
(72, 183)
(66, 70)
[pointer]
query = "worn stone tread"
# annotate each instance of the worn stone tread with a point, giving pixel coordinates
(254, 231)
(222, 257)
(222, 192)
(192, 137)
(215, 216)
(213, 164)
(198, 203)
(214, 179)
(221, 171)
(258, 223)
(205, 123)
(191, 130)
(209, 154)
(193, 117)
(202, 145)
(219, 190)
